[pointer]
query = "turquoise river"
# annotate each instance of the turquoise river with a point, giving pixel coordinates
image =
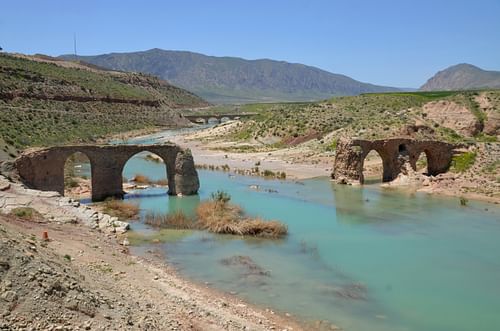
(363, 258)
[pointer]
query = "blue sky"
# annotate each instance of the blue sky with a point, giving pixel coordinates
(396, 43)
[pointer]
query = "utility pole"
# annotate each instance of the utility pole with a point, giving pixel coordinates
(74, 45)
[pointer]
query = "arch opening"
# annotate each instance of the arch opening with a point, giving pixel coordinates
(144, 170)
(213, 120)
(78, 176)
(421, 165)
(403, 150)
(373, 168)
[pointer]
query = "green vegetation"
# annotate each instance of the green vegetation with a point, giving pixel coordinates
(217, 215)
(463, 201)
(220, 197)
(175, 220)
(368, 116)
(119, 208)
(42, 103)
(463, 162)
(26, 213)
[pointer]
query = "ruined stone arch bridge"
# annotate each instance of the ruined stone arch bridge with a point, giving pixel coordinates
(43, 169)
(397, 154)
(219, 118)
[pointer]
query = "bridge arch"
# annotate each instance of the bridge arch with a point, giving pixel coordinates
(77, 172)
(156, 175)
(395, 153)
(43, 169)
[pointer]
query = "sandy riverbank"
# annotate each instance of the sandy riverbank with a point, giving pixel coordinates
(307, 161)
(133, 293)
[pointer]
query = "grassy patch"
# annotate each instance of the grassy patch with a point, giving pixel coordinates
(219, 216)
(26, 213)
(121, 209)
(462, 162)
(175, 220)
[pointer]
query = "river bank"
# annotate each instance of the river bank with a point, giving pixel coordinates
(89, 281)
(306, 160)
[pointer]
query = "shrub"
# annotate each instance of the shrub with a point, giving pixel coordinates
(122, 210)
(71, 183)
(220, 197)
(462, 162)
(268, 173)
(463, 201)
(176, 220)
(228, 219)
(141, 179)
(26, 213)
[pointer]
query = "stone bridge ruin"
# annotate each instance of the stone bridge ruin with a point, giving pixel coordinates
(218, 118)
(396, 154)
(43, 169)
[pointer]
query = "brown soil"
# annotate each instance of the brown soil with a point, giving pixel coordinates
(83, 280)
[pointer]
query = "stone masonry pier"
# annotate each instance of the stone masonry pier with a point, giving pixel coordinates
(43, 169)
(395, 154)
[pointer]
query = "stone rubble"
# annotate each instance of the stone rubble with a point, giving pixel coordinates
(56, 208)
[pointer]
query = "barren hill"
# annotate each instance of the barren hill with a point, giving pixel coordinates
(231, 79)
(462, 77)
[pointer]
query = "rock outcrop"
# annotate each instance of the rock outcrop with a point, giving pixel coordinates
(453, 116)
(398, 156)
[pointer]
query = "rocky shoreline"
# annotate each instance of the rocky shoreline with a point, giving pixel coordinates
(82, 278)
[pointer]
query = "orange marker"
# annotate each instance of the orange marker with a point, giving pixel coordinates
(45, 236)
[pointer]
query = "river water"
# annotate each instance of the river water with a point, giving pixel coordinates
(363, 258)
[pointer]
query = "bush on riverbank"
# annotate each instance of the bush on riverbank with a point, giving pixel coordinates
(175, 220)
(145, 180)
(217, 215)
(121, 209)
(26, 213)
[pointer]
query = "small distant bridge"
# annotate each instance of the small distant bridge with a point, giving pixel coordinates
(219, 118)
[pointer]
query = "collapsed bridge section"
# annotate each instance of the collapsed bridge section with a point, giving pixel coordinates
(395, 154)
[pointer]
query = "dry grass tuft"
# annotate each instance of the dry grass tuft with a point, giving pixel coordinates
(225, 218)
(141, 179)
(217, 215)
(122, 210)
(162, 182)
(176, 220)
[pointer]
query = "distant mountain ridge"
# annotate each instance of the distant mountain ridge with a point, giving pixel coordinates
(231, 79)
(462, 77)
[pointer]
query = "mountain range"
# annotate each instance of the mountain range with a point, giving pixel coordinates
(462, 77)
(235, 80)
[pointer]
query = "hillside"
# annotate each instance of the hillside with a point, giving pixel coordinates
(235, 80)
(47, 101)
(462, 77)
(451, 116)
